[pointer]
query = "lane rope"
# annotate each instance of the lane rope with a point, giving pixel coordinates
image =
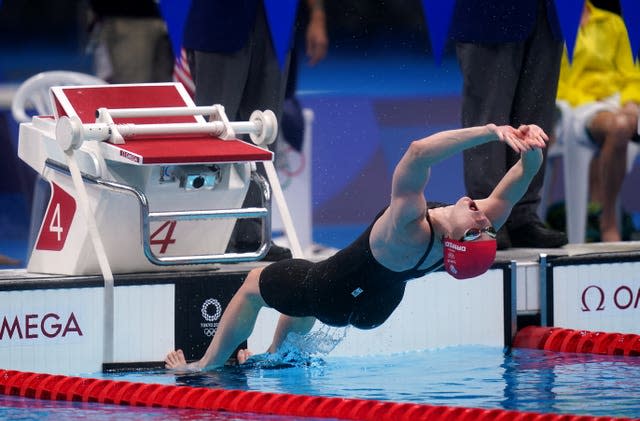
(581, 341)
(79, 389)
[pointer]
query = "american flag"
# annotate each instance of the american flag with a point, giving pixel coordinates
(182, 74)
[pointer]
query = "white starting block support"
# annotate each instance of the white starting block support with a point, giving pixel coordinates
(294, 170)
(165, 185)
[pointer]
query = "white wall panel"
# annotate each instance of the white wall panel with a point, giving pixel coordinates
(437, 311)
(603, 296)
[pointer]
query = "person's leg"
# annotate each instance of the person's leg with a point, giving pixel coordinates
(534, 103)
(490, 74)
(163, 56)
(264, 90)
(489, 83)
(595, 185)
(235, 326)
(612, 132)
(220, 78)
(286, 325)
(130, 48)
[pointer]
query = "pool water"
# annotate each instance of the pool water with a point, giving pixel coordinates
(482, 377)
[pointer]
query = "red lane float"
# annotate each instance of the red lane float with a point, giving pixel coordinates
(580, 341)
(67, 388)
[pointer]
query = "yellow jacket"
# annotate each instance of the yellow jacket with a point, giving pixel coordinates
(602, 62)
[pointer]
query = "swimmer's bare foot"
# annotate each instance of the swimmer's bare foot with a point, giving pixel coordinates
(175, 360)
(243, 355)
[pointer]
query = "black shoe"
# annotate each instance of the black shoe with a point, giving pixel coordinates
(503, 240)
(536, 235)
(277, 253)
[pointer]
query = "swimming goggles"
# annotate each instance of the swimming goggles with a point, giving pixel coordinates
(475, 233)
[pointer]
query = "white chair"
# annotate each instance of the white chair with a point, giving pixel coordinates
(576, 161)
(33, 94)
(32, 98)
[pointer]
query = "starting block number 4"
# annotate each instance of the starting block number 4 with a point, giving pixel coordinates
(57, 220)
(59, 216)
(166, 228)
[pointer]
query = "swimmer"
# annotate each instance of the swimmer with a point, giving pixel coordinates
(363, 284)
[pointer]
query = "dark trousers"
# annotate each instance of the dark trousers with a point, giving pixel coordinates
(509, 83)
(246, 80)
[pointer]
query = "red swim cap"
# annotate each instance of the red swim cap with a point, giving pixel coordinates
(467, 259)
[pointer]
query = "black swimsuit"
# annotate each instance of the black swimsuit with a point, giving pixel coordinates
(350, 287)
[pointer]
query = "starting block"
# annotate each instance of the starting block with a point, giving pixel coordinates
(164, 184)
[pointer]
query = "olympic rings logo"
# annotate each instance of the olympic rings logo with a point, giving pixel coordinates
(205, 310)
(209, 332)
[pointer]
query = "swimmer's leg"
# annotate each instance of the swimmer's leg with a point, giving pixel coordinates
(287, 324)
(237, 322)
(235, 326)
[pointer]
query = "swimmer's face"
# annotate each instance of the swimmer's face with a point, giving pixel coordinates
(466, 215)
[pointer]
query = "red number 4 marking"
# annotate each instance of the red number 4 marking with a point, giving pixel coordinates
(168, 226)
(57, 220)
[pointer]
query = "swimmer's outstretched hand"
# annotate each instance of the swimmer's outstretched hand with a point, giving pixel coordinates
(175, 360)
(522, 139)
(533, 135)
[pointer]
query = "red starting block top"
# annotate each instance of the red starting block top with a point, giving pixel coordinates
(83, 101)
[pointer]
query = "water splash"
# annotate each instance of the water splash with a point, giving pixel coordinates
(320, 341)
(302, 350)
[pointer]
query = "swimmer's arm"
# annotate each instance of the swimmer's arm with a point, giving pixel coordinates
(412, 172)
(511, 188)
